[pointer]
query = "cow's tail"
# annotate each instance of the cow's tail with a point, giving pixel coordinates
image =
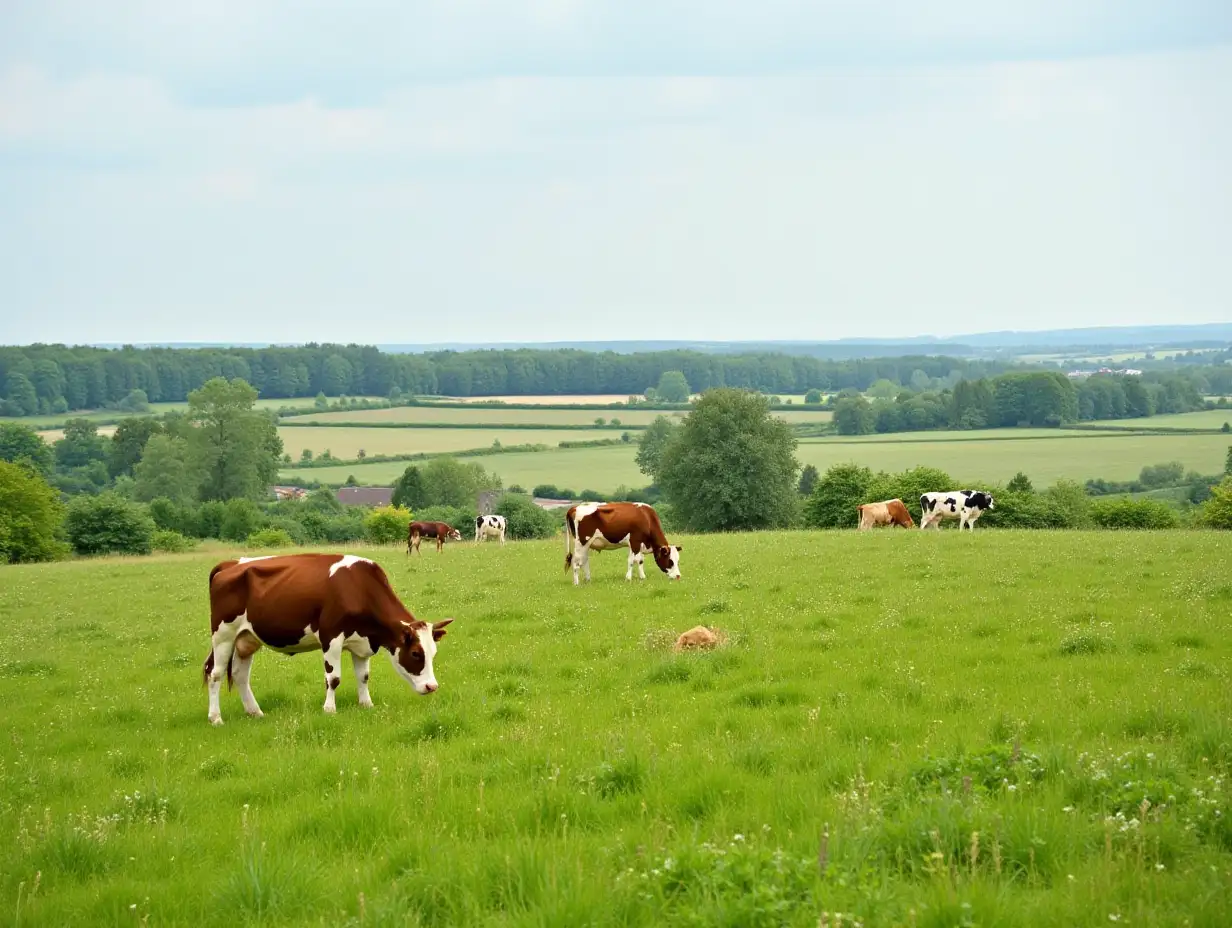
(569, 536)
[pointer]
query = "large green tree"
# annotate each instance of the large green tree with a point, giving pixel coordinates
(236, 446)
(449, 482)
(21, 443)
(853, 415)
(169, 469)
(731, 465)
(673, 387)
(81, 445)
(128, 442)
(30, 516)
(409, 490)
(22, 400)
(651, 444)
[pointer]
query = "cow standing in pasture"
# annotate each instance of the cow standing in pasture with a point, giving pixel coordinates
(489, 527)
(438, 530)
(890, 512)
(313, 602)
(597, 526)
(964, 505)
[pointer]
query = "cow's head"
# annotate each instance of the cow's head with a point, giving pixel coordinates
(983, 500)
(668, 559)
(454, 535)
(412, 655)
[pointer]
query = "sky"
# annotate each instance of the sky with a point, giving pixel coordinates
(402, 171)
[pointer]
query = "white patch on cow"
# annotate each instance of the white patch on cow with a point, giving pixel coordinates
(333, 672)
(673, 572)
(600, 542)
(643, 505)
(347, 560)
(310, 641)
(360, 665)
(261, 557)
(424, 682)
(586, 509)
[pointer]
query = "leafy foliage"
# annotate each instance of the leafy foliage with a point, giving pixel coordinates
(837, 494)
(387, 525)
(1217, 511)
(450, 482)
(651, 444)
(240, 518)
(731, 465)
(1133, 513)
(171, 542)
(409, 491)
(30, 516)
(525, 519)
(270, 538)
(237, 446)
(108, 524)
(21, 443)
(808, 479)
(673, 388)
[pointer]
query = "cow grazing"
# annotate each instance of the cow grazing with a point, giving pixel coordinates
(438, 530)
(489, 527)
(890, 512)
(964, 505)
(596, 526)
(313, 602)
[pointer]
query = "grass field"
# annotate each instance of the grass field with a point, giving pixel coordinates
(548, 417)
(155, 409)
(345, 442)
(1202, 419)
(1052, 747)
(967, 456)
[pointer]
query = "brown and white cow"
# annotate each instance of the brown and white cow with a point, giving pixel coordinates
(313, 602)
(438, 530)
(889, 512)
(596, 526)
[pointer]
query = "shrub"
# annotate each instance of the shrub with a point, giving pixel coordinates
(30, 516)
(294, 529)
(813, 398)
(1217, 511)
(173, 517)
(239, 520)
(525, 519)
(836, 495)
(1020, 483)
(387, 525)
(1133, 514)
(109, 524)
(171, 542)
(270, 538)
(209, 518)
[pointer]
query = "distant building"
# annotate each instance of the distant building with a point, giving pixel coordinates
(544, 503)
(365, 496)
(281, 493)
(1120, 372)
(486, 501)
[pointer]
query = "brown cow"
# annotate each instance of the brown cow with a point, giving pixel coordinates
(596, 526)
(438, 530)
(313, 602)
(890, 512)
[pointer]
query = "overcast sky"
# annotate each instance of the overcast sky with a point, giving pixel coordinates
(466, 170)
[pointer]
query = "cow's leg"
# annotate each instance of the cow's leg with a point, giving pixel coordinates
(502, 535)
(246, 645)
(333, 672)
(586, 563)
(632, 561)
(579, 552)
(361, 679)
(223, 642)
(641, 565)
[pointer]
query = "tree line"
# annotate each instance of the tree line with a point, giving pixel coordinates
(51, 379)
(1042, 399)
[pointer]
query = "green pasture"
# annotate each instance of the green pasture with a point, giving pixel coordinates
(55, 420)
(1202, 419)
(546, 417)
(927, 729)
(346, 442)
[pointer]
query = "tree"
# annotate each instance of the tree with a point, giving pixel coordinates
(81, 445)
(524, 519)
(813, 398)
(808, 480)
(651, 444)
(1227, 464)
(336, 376)
(387, 525)
(237, 447)
(240, 518)
(1217, 511)
(919, 381)
(409, 490)
(167, 469)
(732, 465)
(449, 482)
(134, 401)
(108, 524)
(853, 415)
(21, 443)
(128, 443)
(673, 388)
(20, 394)
(30, 516)
(883, 389)
(836, 495)
(1020, 483)
(321, 401)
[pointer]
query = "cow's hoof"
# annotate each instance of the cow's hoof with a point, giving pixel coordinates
(255, 713)
(216, 720)
(330, 710)
(365, 705)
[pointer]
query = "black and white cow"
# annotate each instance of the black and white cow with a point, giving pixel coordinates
(964, 505)
(486, 526)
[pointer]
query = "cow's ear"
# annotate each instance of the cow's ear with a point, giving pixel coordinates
(438, 629)
(679, 548)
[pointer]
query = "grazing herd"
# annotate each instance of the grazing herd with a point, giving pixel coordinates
(334, 603)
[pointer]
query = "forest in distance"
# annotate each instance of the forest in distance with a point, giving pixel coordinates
(53, 379)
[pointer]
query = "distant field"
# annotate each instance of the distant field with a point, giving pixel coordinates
(1044, 458)
(345, 442)
(54, 435)
(156, 409)
(576, 398)
(489, 415)
(601, 469)
(1202, 419)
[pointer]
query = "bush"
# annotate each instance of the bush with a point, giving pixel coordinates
(387, 525)
(1162, 475)
(209, 518)
(171, 542)
(836, 495)
(1217, 511)
(524, 518)
(813, 398)
(109, 524)
(293, 528)
(239, 520)
(30, 516)
(270, 538)
(1133, 514)
(173, 517)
